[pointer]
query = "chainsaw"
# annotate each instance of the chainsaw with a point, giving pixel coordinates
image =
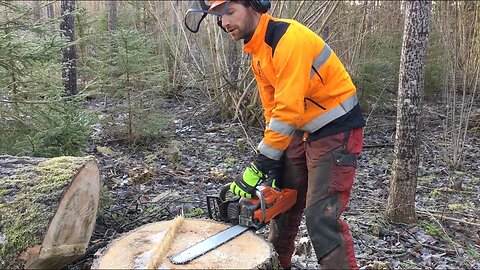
(243, 213)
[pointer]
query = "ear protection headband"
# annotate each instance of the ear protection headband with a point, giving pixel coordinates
(262, 6)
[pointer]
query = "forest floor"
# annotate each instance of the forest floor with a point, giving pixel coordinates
(157, 180)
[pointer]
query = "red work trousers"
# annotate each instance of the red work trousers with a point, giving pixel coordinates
(325, 170)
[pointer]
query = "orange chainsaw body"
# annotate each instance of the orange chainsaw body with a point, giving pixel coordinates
(277, 202)
(267, 203)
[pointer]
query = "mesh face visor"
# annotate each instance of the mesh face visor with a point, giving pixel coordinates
(200, 10)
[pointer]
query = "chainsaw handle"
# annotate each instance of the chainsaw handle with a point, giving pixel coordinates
(258, 192)
(263, 206)
(223, 192)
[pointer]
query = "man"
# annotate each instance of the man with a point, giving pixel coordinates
(313, 120)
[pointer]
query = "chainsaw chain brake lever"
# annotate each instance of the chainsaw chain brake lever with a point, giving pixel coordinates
(263, 206)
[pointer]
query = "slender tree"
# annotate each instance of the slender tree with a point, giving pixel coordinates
(401, 199)
(37, 11)
(69, 61)
(112, 16)
(50, 11)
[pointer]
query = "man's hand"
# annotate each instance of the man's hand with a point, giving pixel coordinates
(245, 186)
(263, 168)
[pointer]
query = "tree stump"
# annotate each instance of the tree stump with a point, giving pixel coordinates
(48, 209)
(134, 250)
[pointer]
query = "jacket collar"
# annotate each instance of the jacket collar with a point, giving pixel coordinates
(253, 45)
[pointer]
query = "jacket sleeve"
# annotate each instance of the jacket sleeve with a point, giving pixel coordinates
(292, 63)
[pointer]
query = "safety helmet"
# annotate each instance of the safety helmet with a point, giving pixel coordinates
(215, 3)
(201, 8)
(262, 6)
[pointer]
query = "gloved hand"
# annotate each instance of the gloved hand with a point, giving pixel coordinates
(263, 168)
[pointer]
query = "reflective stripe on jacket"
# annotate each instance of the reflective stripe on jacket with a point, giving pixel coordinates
(302, 83)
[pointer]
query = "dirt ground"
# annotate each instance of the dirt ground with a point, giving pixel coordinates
(157, 180)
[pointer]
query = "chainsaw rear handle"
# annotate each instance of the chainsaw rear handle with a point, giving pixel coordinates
(258, 192)
(223, 192)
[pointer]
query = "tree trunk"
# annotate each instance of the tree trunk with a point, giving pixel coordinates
(233, 63)
(137, 19)
(112, 16)
(37, 15)
(401, 199)
(48, 209)
(69, 61)
(50, 11)
(134, 250)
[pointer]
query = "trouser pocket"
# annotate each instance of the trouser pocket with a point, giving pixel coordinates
(343, 171)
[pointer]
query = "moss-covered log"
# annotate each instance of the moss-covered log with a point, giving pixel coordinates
(48, 209)
(134, 250)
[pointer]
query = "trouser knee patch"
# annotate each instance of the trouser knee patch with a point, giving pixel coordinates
(323, 227)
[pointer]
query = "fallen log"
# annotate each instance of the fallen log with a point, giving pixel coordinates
(48, 209)
(138, 248)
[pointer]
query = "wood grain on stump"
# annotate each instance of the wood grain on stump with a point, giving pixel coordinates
(134, 250)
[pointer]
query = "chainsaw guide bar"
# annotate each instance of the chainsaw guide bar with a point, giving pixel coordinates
(244, 213)
(208, 244)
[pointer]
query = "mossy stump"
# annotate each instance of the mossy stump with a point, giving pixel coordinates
(48, 209)
(134, 249)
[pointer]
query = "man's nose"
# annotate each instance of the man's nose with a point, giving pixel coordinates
(225, 22)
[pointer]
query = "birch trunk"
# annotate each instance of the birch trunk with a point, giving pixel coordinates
(401, 199)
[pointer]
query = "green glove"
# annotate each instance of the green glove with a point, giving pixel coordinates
(245, 186)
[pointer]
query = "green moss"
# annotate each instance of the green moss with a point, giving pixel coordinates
(461, 206)
(194, 212)
(230, 162)
(433, 230)
(434, 193)
(31, 199)
(474, 179)
(427, 178)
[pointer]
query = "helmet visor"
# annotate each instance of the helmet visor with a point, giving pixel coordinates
(200, 10)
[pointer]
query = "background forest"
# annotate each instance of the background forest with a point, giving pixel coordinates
(166, 111)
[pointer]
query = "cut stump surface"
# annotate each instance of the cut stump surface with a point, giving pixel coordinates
(134, 250)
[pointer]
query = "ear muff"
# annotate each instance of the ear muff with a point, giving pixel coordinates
(262, 6)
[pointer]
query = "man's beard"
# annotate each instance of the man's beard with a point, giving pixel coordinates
(247, 33)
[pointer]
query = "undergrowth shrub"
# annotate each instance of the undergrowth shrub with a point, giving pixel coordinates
(36, 118)
(126, 68)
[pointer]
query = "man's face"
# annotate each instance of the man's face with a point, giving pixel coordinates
(238, 21)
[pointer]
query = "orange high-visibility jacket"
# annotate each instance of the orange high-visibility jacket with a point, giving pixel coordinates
(302, 83)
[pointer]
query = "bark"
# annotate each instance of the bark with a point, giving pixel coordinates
(233, 62)
(401, 199)
(69, 60)
(112, 16)
(247, 251)
(369, 16)
(48, 209)
(50, 11)
(37, 15)
(136, 4)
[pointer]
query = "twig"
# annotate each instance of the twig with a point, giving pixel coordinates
(249, 140)
(434, 216)
(443, 229)
(378, 146)
(439, 249)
